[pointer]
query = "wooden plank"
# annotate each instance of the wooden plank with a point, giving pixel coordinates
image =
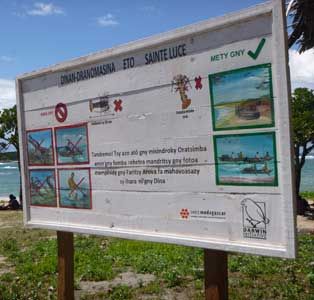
(216, 274)
(65, 266)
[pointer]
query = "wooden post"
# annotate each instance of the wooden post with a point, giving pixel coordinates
(65, 266)
(216, 274)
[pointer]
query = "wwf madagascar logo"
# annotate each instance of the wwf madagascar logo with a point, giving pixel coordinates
(254, 219)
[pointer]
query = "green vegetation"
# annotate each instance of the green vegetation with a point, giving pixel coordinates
(46, 197)
(308, 195)
(8, 129)
(28, 268)
(303, 137)
(45, 158)
(9, 134)
(8, 156)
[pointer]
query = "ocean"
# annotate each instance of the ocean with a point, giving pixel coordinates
(9, 178)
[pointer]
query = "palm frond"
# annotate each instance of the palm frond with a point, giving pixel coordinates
(302, 12)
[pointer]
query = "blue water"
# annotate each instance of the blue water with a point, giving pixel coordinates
(230, 169)
(9, 178)
(307, 183)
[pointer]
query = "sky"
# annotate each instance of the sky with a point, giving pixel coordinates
(42, 174)
(44, 137)
(36, 34)
(231, 86)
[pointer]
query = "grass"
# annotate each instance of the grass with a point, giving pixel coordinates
(31, 264)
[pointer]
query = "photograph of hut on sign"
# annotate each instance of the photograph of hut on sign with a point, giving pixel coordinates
(72, 144)
(43, 187)
(242, 98)
(74, 188)
(39, 147)
(246, 159)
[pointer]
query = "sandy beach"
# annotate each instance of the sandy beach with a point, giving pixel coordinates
(232, 179)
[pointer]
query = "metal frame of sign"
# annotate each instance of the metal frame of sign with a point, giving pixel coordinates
(276, 236)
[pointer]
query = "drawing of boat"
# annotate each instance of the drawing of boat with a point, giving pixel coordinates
(257, 159)
(71, 149)
(255, 170)
(100, 104)
(244, 159)
(247, 112)
(229, 158)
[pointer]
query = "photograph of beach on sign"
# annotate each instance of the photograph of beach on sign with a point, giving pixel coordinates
(39, 147)
(242, 98)
(247, 159)
(74, 188)
(43, 187)
(72, 144)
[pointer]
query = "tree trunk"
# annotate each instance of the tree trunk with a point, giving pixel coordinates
(300, 201)
(297, 180)
(302, 204)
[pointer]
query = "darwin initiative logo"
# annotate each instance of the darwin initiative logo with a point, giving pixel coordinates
(254, 219)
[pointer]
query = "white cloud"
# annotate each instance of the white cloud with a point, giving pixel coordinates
(6, 59)
(107, 20)
(45, 9)
(302, 69)
(7, 93)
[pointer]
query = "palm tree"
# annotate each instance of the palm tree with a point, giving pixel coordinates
(302, 13)
(302, 34)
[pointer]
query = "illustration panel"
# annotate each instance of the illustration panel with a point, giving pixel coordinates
(75, 188)
(72, 144)
(247, 159)
(40, 147)
(242, 98)
(43, 187)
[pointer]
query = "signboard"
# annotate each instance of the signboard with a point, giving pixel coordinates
(180, 138)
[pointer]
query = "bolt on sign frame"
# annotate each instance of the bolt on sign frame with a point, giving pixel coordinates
(180, 138)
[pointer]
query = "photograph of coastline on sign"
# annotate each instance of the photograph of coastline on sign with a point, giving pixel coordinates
(72, 144)
(43, 187)
(247, 159)
(242, 98)
(39, 147)
(74, 188)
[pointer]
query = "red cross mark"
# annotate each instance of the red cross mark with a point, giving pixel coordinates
(198, 82)
(184, 213)
(117, 105)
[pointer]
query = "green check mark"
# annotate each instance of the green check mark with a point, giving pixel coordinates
(257, 52)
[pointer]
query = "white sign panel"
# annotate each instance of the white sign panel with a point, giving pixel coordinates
(181, 138)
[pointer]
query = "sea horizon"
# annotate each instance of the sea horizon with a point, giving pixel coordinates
(9, 178)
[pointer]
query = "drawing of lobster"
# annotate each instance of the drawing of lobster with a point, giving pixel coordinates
(182, 84)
